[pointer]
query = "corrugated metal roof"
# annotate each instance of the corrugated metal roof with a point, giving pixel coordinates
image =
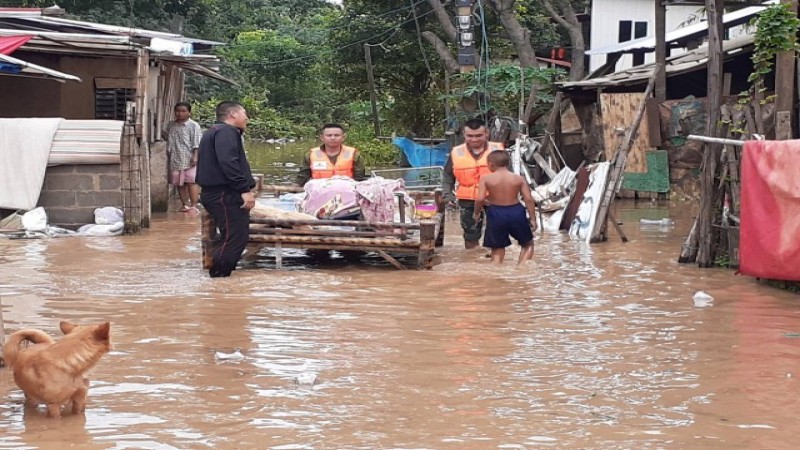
(683, 34)
(36, 71)
(115, 29)
(36, 22)
(64, 36)
(686, 62)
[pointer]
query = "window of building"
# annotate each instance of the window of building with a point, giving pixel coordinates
(640, 30)
(110, 103)
(629, 30)
(624, 30)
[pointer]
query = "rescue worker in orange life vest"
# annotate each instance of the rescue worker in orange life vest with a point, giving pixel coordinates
(331, 158)
(467, 164)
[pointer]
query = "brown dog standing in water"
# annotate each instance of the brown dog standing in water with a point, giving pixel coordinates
(51, 372)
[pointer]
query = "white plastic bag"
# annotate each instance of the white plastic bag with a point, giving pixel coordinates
(35, 220)
(108, 215)
(102, 230)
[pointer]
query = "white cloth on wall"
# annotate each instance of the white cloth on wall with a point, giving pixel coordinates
(24, 150)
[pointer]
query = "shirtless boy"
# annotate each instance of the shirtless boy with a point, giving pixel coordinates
(505, 215)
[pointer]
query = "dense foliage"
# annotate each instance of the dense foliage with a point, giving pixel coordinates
(301, 63)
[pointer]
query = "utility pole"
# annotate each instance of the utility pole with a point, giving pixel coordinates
(373, 97)
(466, 35)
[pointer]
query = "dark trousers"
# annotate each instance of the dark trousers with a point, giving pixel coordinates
(472, 229)
(233, 223)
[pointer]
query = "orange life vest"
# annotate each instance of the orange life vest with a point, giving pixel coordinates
(468, 170)
(322, 167)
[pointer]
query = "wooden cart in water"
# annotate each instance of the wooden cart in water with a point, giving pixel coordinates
(387, 239)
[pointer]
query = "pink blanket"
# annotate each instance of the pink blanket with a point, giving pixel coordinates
(330, 198)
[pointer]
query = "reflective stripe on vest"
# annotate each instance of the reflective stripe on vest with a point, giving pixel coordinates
(322, 167)
(468, 170)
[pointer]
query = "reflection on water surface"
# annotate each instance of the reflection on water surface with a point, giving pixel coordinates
(587, 347)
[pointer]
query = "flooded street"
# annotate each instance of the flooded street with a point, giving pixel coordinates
(588, 347)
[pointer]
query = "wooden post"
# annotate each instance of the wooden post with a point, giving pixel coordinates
(140, 162)
(784, 86)
(373, 96)
(661, 51)
(552, 122)
(427, 242)
(401, 204)
(441, 209)
(705, 253)
(617, 169)
(2, 335)
(142, 67)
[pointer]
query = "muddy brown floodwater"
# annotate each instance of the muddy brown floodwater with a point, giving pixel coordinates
(595, 347)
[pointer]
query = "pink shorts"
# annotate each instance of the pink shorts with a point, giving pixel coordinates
(181, 177)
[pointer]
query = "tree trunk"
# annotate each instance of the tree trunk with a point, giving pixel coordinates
(444, 20)
(450, 62)
(519, 35)
(564, 14)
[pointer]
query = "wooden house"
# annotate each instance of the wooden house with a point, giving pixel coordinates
(125, 79)
(607, 99)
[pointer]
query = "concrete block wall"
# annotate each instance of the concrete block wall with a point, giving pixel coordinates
(72, 192)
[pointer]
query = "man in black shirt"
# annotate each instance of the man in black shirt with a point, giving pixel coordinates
(224, 175)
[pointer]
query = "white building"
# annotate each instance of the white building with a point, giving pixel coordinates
(627, 27)
(619, 21)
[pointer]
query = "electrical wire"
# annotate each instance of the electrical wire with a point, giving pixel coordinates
(419, 40)
(380, 44)
(484, 56)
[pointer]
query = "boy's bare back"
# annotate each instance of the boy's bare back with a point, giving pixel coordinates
(503, 187)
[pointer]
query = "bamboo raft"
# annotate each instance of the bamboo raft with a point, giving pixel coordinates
(418, 239)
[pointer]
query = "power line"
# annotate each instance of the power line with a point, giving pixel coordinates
(380, 44)
(419, 39)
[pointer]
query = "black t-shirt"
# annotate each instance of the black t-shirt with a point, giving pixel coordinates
(221, 161)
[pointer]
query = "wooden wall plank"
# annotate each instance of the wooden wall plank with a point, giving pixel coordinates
(618, 111)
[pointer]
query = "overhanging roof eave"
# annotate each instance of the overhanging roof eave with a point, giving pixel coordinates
(30, 69)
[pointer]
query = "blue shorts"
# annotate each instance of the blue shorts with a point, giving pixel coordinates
(505, 221)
